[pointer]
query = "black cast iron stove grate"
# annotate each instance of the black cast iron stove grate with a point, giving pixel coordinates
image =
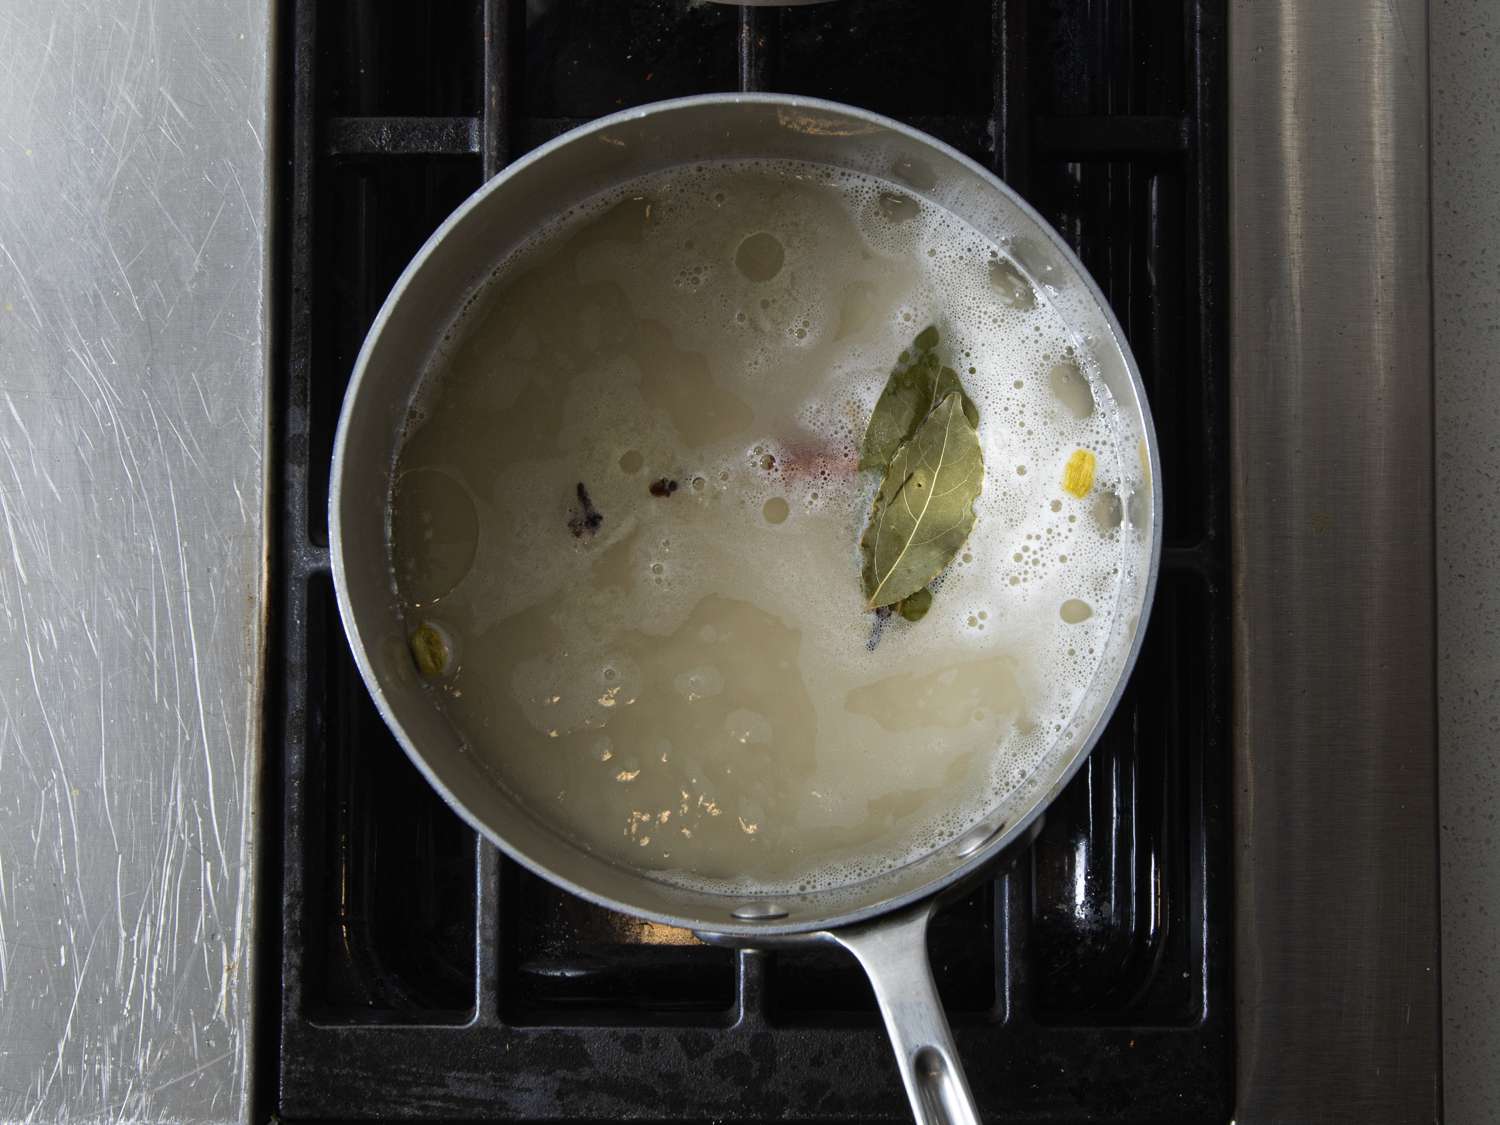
(413, 974)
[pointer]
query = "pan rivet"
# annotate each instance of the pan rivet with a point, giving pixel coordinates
(977, 839)
(758, 912)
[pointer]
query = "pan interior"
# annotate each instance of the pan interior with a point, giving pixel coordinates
(416, 332)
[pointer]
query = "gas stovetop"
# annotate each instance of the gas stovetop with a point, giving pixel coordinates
(414, 974)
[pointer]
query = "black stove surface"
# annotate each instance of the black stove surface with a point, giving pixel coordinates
(411, 973)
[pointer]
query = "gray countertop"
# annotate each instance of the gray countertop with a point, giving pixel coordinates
(132, 424)
(1465, 46)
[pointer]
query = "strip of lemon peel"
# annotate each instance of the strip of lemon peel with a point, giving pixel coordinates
(1078, 474)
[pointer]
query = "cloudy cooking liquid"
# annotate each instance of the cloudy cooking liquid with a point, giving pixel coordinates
(690, 686)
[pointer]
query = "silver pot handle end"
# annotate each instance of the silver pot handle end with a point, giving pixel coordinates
(893, 952)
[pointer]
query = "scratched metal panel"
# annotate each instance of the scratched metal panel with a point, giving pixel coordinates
(132, 384)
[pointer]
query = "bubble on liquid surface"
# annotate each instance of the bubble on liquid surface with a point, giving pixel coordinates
(760, 257)
(1108, 511)
(898, 207)
(1010, 284)
(1071, 388)
(1075, 611)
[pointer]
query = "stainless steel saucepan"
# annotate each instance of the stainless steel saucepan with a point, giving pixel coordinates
(881, 920)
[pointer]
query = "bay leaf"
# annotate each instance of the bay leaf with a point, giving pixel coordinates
(948, 382)
(917, 382)
(925, 507)
(905, 401)
(914, 607)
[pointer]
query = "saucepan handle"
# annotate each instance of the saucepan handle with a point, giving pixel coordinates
(893, 951)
